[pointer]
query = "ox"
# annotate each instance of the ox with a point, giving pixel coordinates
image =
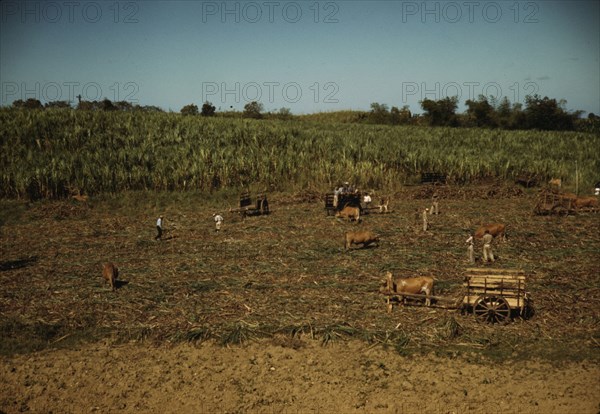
(495, 229)
(110, 272)
(555, 183)
(383, 205)
(360, 237)
(587, 203)
(414, 286)
(351, 213)
(80, 198)
(568, 196)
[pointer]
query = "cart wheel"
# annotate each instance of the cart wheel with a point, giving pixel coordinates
(492, 309)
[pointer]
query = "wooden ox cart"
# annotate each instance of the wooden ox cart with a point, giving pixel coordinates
(492, 295)
(496, 295)
(354, 199)
(550, 202)
(249, 208)
(333, 205)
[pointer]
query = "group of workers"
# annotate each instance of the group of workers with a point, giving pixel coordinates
(434, 209)
(346, 188)
(488, 255)
(218, 219)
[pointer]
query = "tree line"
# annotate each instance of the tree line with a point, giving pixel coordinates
(538, 113)
(103, 105)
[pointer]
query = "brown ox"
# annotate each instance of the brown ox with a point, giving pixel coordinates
(587, 203)
(351, 213)
(360, 237)
(495, 229)
(383, 204)
(555, 183)
(414, 286)
(568, 196)
(80, 198)
(110, 272)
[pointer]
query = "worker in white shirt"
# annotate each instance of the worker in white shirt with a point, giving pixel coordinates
(218, 221)
(470, 249)
(435, 209)
(159, 228)
(367, 200)
(488, 255)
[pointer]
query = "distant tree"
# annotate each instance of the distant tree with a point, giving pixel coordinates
(30, 103)
(441, 112)
(88, 105)
(123, 106)
(507, 116)
(106, 105)
(394, 115)
(58, 104)
(253, 110)
(590, 124)
(547, 114)
(480, 113)
(190, 109)
(400, 116)
(379, 114)
(148, 108)
(518, 116)
(208, 109)
(284, 113)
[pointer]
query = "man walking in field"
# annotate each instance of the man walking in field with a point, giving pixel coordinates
(434, 205)
(488, 255)
(367, 200)
(159, 228)
(218, 221)
(425, 223)
(470, 249)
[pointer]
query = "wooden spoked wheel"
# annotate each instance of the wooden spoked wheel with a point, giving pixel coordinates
(492, 309)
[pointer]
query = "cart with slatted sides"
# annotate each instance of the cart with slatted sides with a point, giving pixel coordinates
(248, 207)
(496, 295)
(492, 295)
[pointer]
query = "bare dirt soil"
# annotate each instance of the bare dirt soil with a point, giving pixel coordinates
(264, 377)
(273, 315)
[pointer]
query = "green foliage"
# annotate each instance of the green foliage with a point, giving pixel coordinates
(480, 113)
(30, 103)
(208, 109)
(400, 116)
(380, 113)
(284, 113)
(441, 112)
(547, 114)
(253, 110)
(51, 153)
(58, 104)
(190, 109)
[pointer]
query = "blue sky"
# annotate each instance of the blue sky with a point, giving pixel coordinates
(307, 56)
